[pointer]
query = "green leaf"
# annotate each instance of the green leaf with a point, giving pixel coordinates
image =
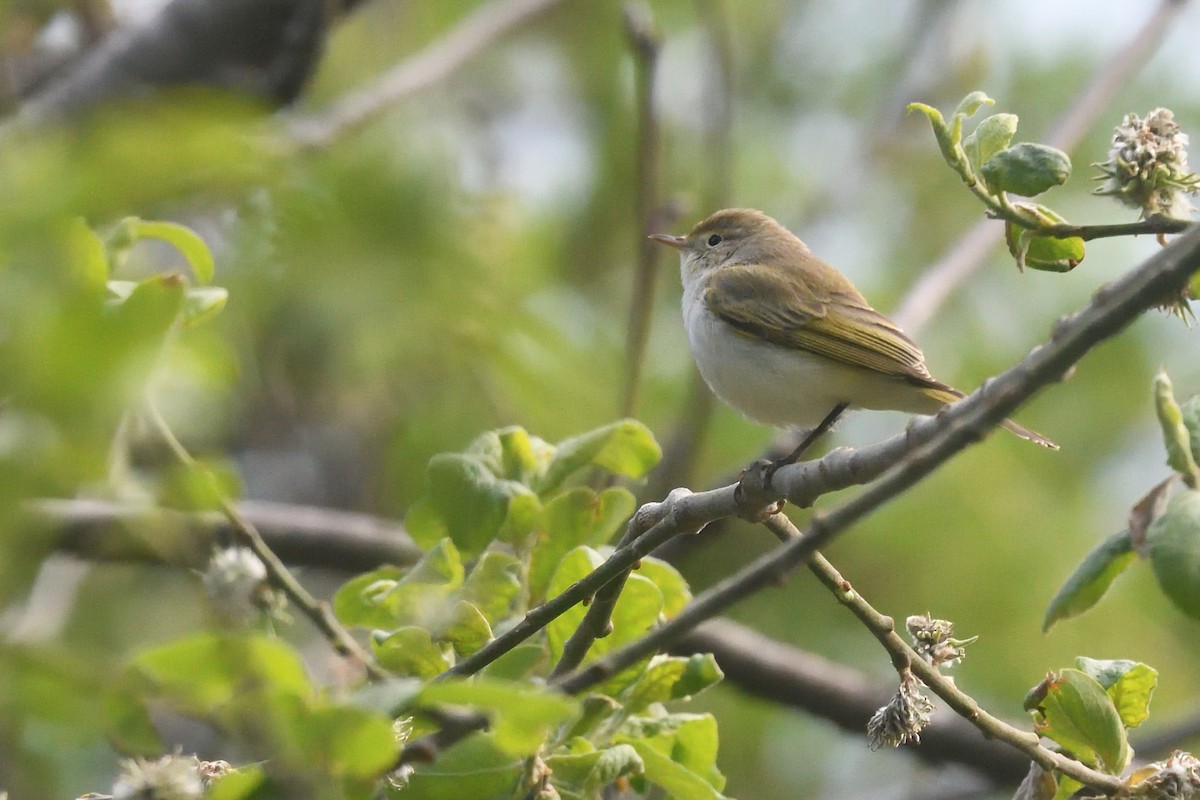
(1072, 708)
(347, 741)
(513, 454)
(636, 611)
(1091, 579)
(129, 727)
(517, 664)
(1026, 169)
(360, 602)
(1045, 253)
(1174, 544)
(468, 629)
(1130, 684)
(1176, 436)
(669, 678)
(626, 447)
(441, 565)
(203, 486)
(674, 588)
(493, 584)
(473, 768)
(474, 505)
(1190, 413)
(410, 651)
(388, 598)
(149, 309)
(932, 114)
(204, 671)
(1067, 787)
(972, 103)
(990, 137)
(203, 303)
(677, 780)
(589, 771)
(678, 750)
(191, 246)
(521, 715)
(240, 784)
(576, 517)
(88, 258)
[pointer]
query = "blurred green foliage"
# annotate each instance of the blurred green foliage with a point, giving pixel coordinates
(463, 265)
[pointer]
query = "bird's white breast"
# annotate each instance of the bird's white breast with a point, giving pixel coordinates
(772, 384)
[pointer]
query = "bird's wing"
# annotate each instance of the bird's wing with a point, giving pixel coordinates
(832, 321)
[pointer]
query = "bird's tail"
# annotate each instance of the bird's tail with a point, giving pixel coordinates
(948, 394)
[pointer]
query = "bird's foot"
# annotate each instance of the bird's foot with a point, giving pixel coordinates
(755, 499)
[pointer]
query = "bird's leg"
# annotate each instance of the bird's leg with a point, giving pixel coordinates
(816, 433)
(763, 470)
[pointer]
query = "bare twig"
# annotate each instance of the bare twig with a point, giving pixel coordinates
(942, 279)
(1155, 225)
(645, 43)
(660, 521)
(277, 573)
(904, 658)
(432, 64)
(597, 622)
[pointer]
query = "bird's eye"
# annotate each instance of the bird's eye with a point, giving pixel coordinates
(714, 240)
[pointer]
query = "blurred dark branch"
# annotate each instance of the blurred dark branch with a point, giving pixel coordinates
(435, 62)
(266, 48)
(966, 255)
(303, 535)
(645, 44)
(769, 669)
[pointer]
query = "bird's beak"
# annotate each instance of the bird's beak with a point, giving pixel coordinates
(678, 242)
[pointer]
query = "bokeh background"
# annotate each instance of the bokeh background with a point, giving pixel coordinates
(466, 261)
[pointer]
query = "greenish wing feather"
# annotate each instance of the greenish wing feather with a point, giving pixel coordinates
(834, 322)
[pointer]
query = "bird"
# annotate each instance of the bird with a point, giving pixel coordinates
(786, 339)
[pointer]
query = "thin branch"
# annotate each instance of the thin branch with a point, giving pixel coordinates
(277, 573)
(883, 628)
(954, 429)
(645, 42)
(482, 28)
(660, 521)
(941, 280)
(597, 622)
(1155, 225)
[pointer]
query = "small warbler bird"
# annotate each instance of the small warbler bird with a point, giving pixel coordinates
(788, 340)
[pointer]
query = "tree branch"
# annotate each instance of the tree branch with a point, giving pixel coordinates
(317, 537)
(883, 628)
(264, 47)
(482, 28)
